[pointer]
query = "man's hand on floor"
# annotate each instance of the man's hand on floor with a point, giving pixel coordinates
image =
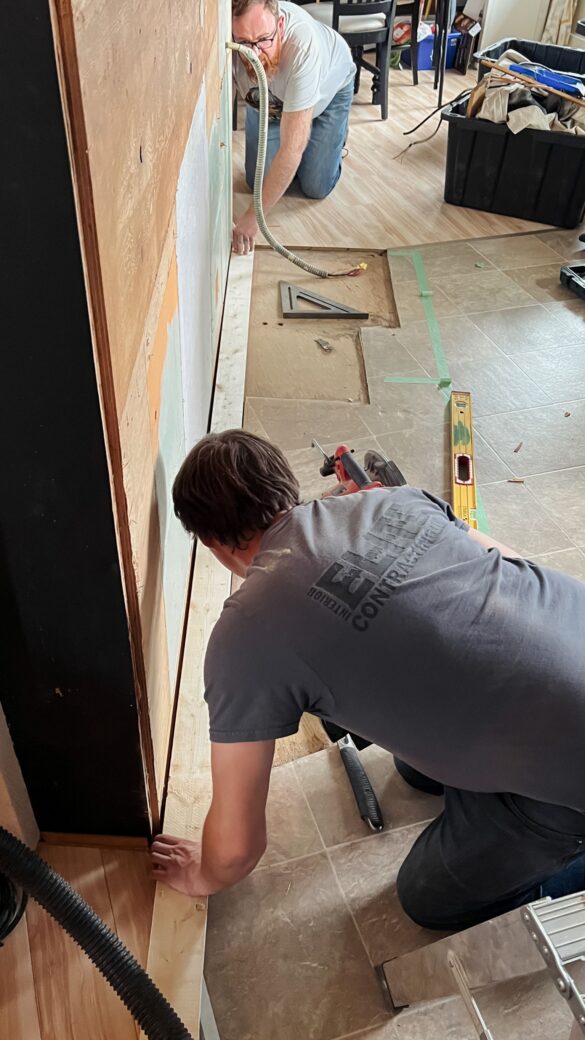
(176, 862)
(244, 232)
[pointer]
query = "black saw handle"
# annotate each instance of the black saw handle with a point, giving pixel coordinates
(364, 793)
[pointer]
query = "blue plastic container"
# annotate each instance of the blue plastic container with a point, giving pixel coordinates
(425, 52)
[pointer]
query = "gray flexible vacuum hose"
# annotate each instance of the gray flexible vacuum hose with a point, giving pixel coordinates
(125, 975)
(255, 62)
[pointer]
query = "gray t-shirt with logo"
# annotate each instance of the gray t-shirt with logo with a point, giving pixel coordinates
(378, 612)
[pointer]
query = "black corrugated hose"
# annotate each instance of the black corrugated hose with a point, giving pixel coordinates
(135, 988)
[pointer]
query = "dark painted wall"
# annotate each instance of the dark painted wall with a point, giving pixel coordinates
(66, 680)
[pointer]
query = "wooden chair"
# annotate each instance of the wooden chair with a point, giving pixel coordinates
(363, 24)
(412, 8)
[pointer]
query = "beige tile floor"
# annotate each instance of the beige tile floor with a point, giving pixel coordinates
(291, 950)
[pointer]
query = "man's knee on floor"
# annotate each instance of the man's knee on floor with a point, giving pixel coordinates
(314, 188)
(413, 898)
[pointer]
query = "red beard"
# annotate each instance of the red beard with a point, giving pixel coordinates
(269, 61)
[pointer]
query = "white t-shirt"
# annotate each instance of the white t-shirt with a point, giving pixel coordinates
(315, 64)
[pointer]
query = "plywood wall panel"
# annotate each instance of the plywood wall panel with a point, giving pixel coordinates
(141, 64)
(158, 208)
(193, 260)
(143, 519)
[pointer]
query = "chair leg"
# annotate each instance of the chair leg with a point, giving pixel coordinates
(357, 57)
(383, 75)
(414, 41)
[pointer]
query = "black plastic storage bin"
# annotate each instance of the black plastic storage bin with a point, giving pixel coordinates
(534, 175)
(561, 59)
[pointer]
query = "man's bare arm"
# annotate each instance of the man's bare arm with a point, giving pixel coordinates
(234, 834)
(490, 543)
(295, 129)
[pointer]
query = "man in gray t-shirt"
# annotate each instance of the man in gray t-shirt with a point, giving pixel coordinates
(383, 613)
(311, 75)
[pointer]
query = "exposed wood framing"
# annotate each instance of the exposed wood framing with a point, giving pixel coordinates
(177, 940)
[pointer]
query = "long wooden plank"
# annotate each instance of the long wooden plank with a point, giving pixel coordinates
(177, 939)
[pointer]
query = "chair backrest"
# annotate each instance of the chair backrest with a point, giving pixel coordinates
(362, 8)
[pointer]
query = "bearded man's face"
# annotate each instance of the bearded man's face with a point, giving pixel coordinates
(259, 26)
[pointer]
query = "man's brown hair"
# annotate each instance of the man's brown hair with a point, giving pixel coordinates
(231, 485)
(239, 7)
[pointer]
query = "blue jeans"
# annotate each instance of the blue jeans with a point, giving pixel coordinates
(320, 167)
(487, 854)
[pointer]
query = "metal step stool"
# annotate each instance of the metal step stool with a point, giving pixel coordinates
(557, 927)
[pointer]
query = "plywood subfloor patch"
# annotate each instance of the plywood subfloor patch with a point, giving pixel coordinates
(284, 360)
(49, 988)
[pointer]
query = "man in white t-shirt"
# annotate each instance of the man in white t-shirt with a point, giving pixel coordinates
(310, 74)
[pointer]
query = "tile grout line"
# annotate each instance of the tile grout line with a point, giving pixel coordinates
(548, 515)
(308, 804)
(349, 909)
(533, 381)
(330, 862)
(368, 1030)
(551, 518)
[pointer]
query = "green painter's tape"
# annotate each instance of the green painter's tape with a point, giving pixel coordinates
(426, 297)
(481, 515)
(444, 379)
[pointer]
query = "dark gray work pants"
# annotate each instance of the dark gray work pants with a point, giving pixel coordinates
(487, 854)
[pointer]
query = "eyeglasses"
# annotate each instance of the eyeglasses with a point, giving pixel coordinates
(263, 44)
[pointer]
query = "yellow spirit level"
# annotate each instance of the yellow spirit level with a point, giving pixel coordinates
(462, 464)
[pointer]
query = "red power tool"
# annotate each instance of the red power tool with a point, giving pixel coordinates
(377, 472)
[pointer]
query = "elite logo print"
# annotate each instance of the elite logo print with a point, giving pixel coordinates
(357, 585)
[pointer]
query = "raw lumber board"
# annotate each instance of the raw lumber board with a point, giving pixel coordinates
(490, 952)
(284, 361)
(177, 938)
